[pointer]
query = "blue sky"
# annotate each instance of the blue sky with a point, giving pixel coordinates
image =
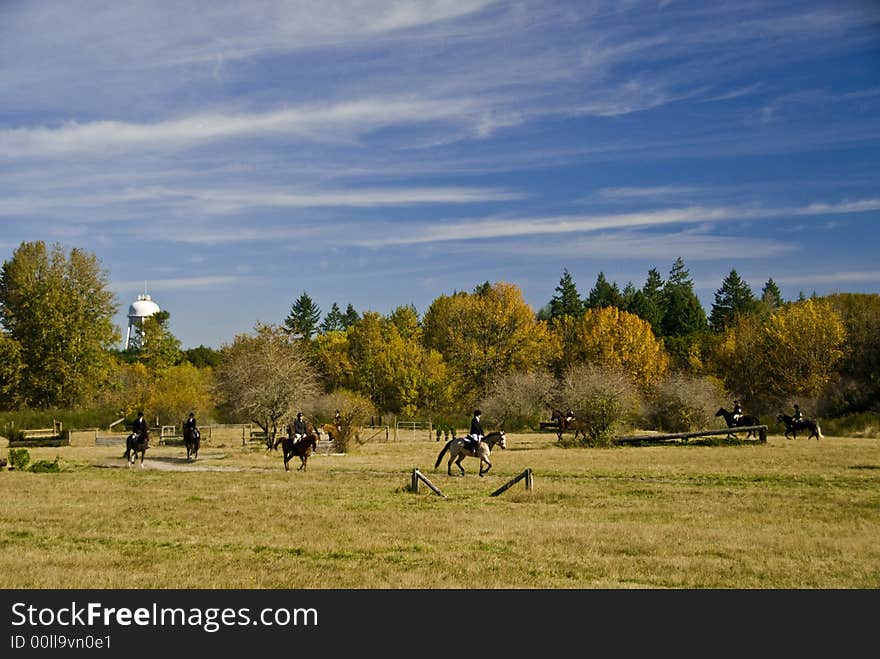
(233, 155)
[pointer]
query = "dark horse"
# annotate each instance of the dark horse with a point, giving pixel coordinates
(563, 424)
(193, 440)
(743, 420)
(460, 448)
(136, 444)
(792, 426)
(302, 448)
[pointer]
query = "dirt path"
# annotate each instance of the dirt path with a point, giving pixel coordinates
(177, 464)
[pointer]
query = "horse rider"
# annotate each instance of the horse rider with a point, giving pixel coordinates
(139, 427)
(737, 410)
(569, 415)
(798, 417)
(476, 433)
(297, 430)
(139, 430)
(191, 426)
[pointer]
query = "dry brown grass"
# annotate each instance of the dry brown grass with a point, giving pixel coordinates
(788, 514)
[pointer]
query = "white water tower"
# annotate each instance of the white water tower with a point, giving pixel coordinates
(140, 309)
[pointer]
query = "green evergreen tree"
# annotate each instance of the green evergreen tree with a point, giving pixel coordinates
(771, 297)
(733, 299)
(303, 317)
(683, 315)
(604, 294)
(350, 317)
(567, 301)
(648, 303)
(628, 296)
(334, 321)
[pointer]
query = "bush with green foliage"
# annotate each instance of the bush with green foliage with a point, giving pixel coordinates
(45, 466)
(19, 458)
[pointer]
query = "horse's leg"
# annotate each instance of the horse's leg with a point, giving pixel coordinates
(488, 466)
(461, 456)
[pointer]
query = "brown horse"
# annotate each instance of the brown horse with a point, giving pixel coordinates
(565, 424)
(460, 448)
(332, 430)
(302, 448)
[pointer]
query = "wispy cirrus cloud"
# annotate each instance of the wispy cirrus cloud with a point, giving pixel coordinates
(213, 201)
(177, 283)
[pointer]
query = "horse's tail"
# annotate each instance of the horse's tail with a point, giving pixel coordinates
(442, 452)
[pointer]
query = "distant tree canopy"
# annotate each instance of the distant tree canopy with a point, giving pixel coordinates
(56, 310)
(486, 347)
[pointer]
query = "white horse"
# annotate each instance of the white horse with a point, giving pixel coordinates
(459, 449)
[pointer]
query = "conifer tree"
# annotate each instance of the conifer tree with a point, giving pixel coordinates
(604, 294)
(303, 317)
(648, 303)
(771, 297)
(350, 317)
(334, 321)
(683, 315)
(734, 298)
(567, 301)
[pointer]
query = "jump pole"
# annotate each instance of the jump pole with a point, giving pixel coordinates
(527, 475)
(418, 476)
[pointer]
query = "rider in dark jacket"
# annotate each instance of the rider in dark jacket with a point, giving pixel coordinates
(139, 427)
(190, 426)
(737, 410)
(476, 429)
(798, 416)
(298, 427)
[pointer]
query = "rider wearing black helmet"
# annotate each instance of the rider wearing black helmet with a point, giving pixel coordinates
(476, 432)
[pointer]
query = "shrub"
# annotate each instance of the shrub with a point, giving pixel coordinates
(45, 467)
(682, 403)
(603, 400)
(18, 458)
(519, 401)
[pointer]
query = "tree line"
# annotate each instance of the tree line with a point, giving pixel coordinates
(483, 347)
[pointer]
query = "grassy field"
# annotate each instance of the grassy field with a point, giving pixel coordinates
(786, 514)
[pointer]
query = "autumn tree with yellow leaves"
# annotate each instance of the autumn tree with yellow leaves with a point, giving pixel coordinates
(614, 339)
(486, 335)
(792, 353)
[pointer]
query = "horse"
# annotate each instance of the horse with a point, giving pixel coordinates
(302, 448)
(192, 438)
(460, 448)
(563, 424)
(792, 426)
(136, 444)
(743, 420)
(332, 430)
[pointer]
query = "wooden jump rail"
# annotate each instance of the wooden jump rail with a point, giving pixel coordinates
(527, 475)
(762, 434)
(419, 476)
